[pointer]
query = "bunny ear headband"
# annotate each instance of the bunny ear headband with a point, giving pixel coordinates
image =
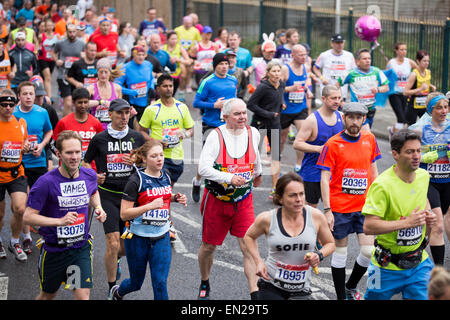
(268, 43)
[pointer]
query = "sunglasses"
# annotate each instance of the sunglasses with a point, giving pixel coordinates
(5, 105)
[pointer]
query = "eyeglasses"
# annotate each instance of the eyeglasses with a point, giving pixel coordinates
(5, 105)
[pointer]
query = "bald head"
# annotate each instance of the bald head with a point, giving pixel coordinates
(155, 42)
(299, 54)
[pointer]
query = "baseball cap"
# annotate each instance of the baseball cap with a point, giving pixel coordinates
(21, 35)
(218, 58)
(207, 29)
(81, 26)
(118, 104)
(40, 90)
(337, 38)
(231, 52)
(354, 107)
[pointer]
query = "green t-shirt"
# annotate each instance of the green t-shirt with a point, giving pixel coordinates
(391, 199)
(163, 121)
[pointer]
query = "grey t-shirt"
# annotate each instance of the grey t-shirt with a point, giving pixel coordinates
(68, 52)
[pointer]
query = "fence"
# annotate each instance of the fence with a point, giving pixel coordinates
(315, 25)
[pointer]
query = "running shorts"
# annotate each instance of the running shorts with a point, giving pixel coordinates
(312, 192)
(56, 267)
(347, 223)
(33, 174)
(382, 283)
(219, 217)
(111, 204)
(174, 168)
(17, 185)
(65, 88)
(439, 195)
(287, 119)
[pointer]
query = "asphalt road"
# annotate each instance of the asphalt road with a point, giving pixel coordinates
(228, 281)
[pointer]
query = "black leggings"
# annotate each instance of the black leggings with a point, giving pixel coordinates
(268, 291)
(399, 104)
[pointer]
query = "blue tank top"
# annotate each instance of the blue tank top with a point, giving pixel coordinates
(153, 223)
(295, 101)
(431, 140)
(309, 172)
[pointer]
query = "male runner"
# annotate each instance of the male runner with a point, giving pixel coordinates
(13, 143)
(111, 150)
(316, 130)
(397, 212)
(348, 167)
(59, 203)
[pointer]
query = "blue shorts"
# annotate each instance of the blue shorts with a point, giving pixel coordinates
(382, 283)
(347, 223)
(174, 168)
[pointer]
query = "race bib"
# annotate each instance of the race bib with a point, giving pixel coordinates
(409, 236)
(115, 163)
(68, 61)
(141, 88)
(439, 170)
(112, 57)
(420, 102)
(88, 81)
(33, 140)
(102, 113)
(68, 235)
(297, 96)
(11, 151)
(3, 81)
(354, 181)
(170, 137)
(157, 217)
(291, 277)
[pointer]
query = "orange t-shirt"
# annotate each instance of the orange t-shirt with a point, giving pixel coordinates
(350, 164)
(60, 26)
(14, 134)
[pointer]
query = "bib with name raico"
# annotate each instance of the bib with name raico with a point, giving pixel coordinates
(243, 166)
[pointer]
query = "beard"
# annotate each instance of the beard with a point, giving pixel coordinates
(354, 129)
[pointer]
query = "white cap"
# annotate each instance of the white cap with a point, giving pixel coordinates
(21, 35)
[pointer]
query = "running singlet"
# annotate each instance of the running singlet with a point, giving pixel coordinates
(48, 44)
(286, 266)
(295, 100)
(361, 84)
(309, 171)
(243, 167)
(142, 189)
(350, 174)
(108, 42)
(101, 112)
(205, 57)
(14, 133)
(108, 153)
(402, 71)
(392, 199)
(420, 99)
(188, 38)
(54, 196)
(163, 123)
(437, 141)
(176, 52)
(5, 70)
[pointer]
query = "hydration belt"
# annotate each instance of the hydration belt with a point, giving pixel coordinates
(405, 260)
(13, 170)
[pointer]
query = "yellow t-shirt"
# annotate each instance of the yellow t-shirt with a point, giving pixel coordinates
(189, 37)
(163, 121)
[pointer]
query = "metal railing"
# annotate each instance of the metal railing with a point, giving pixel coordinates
(251, 18)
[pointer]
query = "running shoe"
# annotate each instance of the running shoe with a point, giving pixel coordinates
(27, 245)
(195, 191)
(172, 233)
(291, 137)
(119, 270)
(18, 252)
(34, 229)
(352, 294)
(2, 251)
(203, 292)
(297, 169)
(113, 293)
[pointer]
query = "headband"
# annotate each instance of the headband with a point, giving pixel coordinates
(433, 102)
(8, 99)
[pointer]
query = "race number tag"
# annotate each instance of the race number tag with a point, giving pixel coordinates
(170, 137)
(354, 181)
(409, 236)
(420, 102)
(88, 81)
(141, 88)
(439, 170)
(33, 140)
(157, 217)
(11, 151)
(298, 95)
(291, 277)
(102, 113)
(115, 163)
(3, 81)
(68, 235)
(68, 61)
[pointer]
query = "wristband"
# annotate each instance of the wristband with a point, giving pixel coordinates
(326, 210)
(175, 198)
(319, 254)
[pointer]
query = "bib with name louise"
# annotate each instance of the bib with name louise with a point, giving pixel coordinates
(54, 196)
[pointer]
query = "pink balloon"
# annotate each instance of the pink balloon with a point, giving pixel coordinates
(368, 28)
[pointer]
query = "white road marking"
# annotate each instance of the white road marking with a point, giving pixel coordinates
(3, 286)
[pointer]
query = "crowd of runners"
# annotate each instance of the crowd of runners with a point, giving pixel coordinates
(116, 121)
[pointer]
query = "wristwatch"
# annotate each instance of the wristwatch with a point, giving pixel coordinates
(319, 254)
